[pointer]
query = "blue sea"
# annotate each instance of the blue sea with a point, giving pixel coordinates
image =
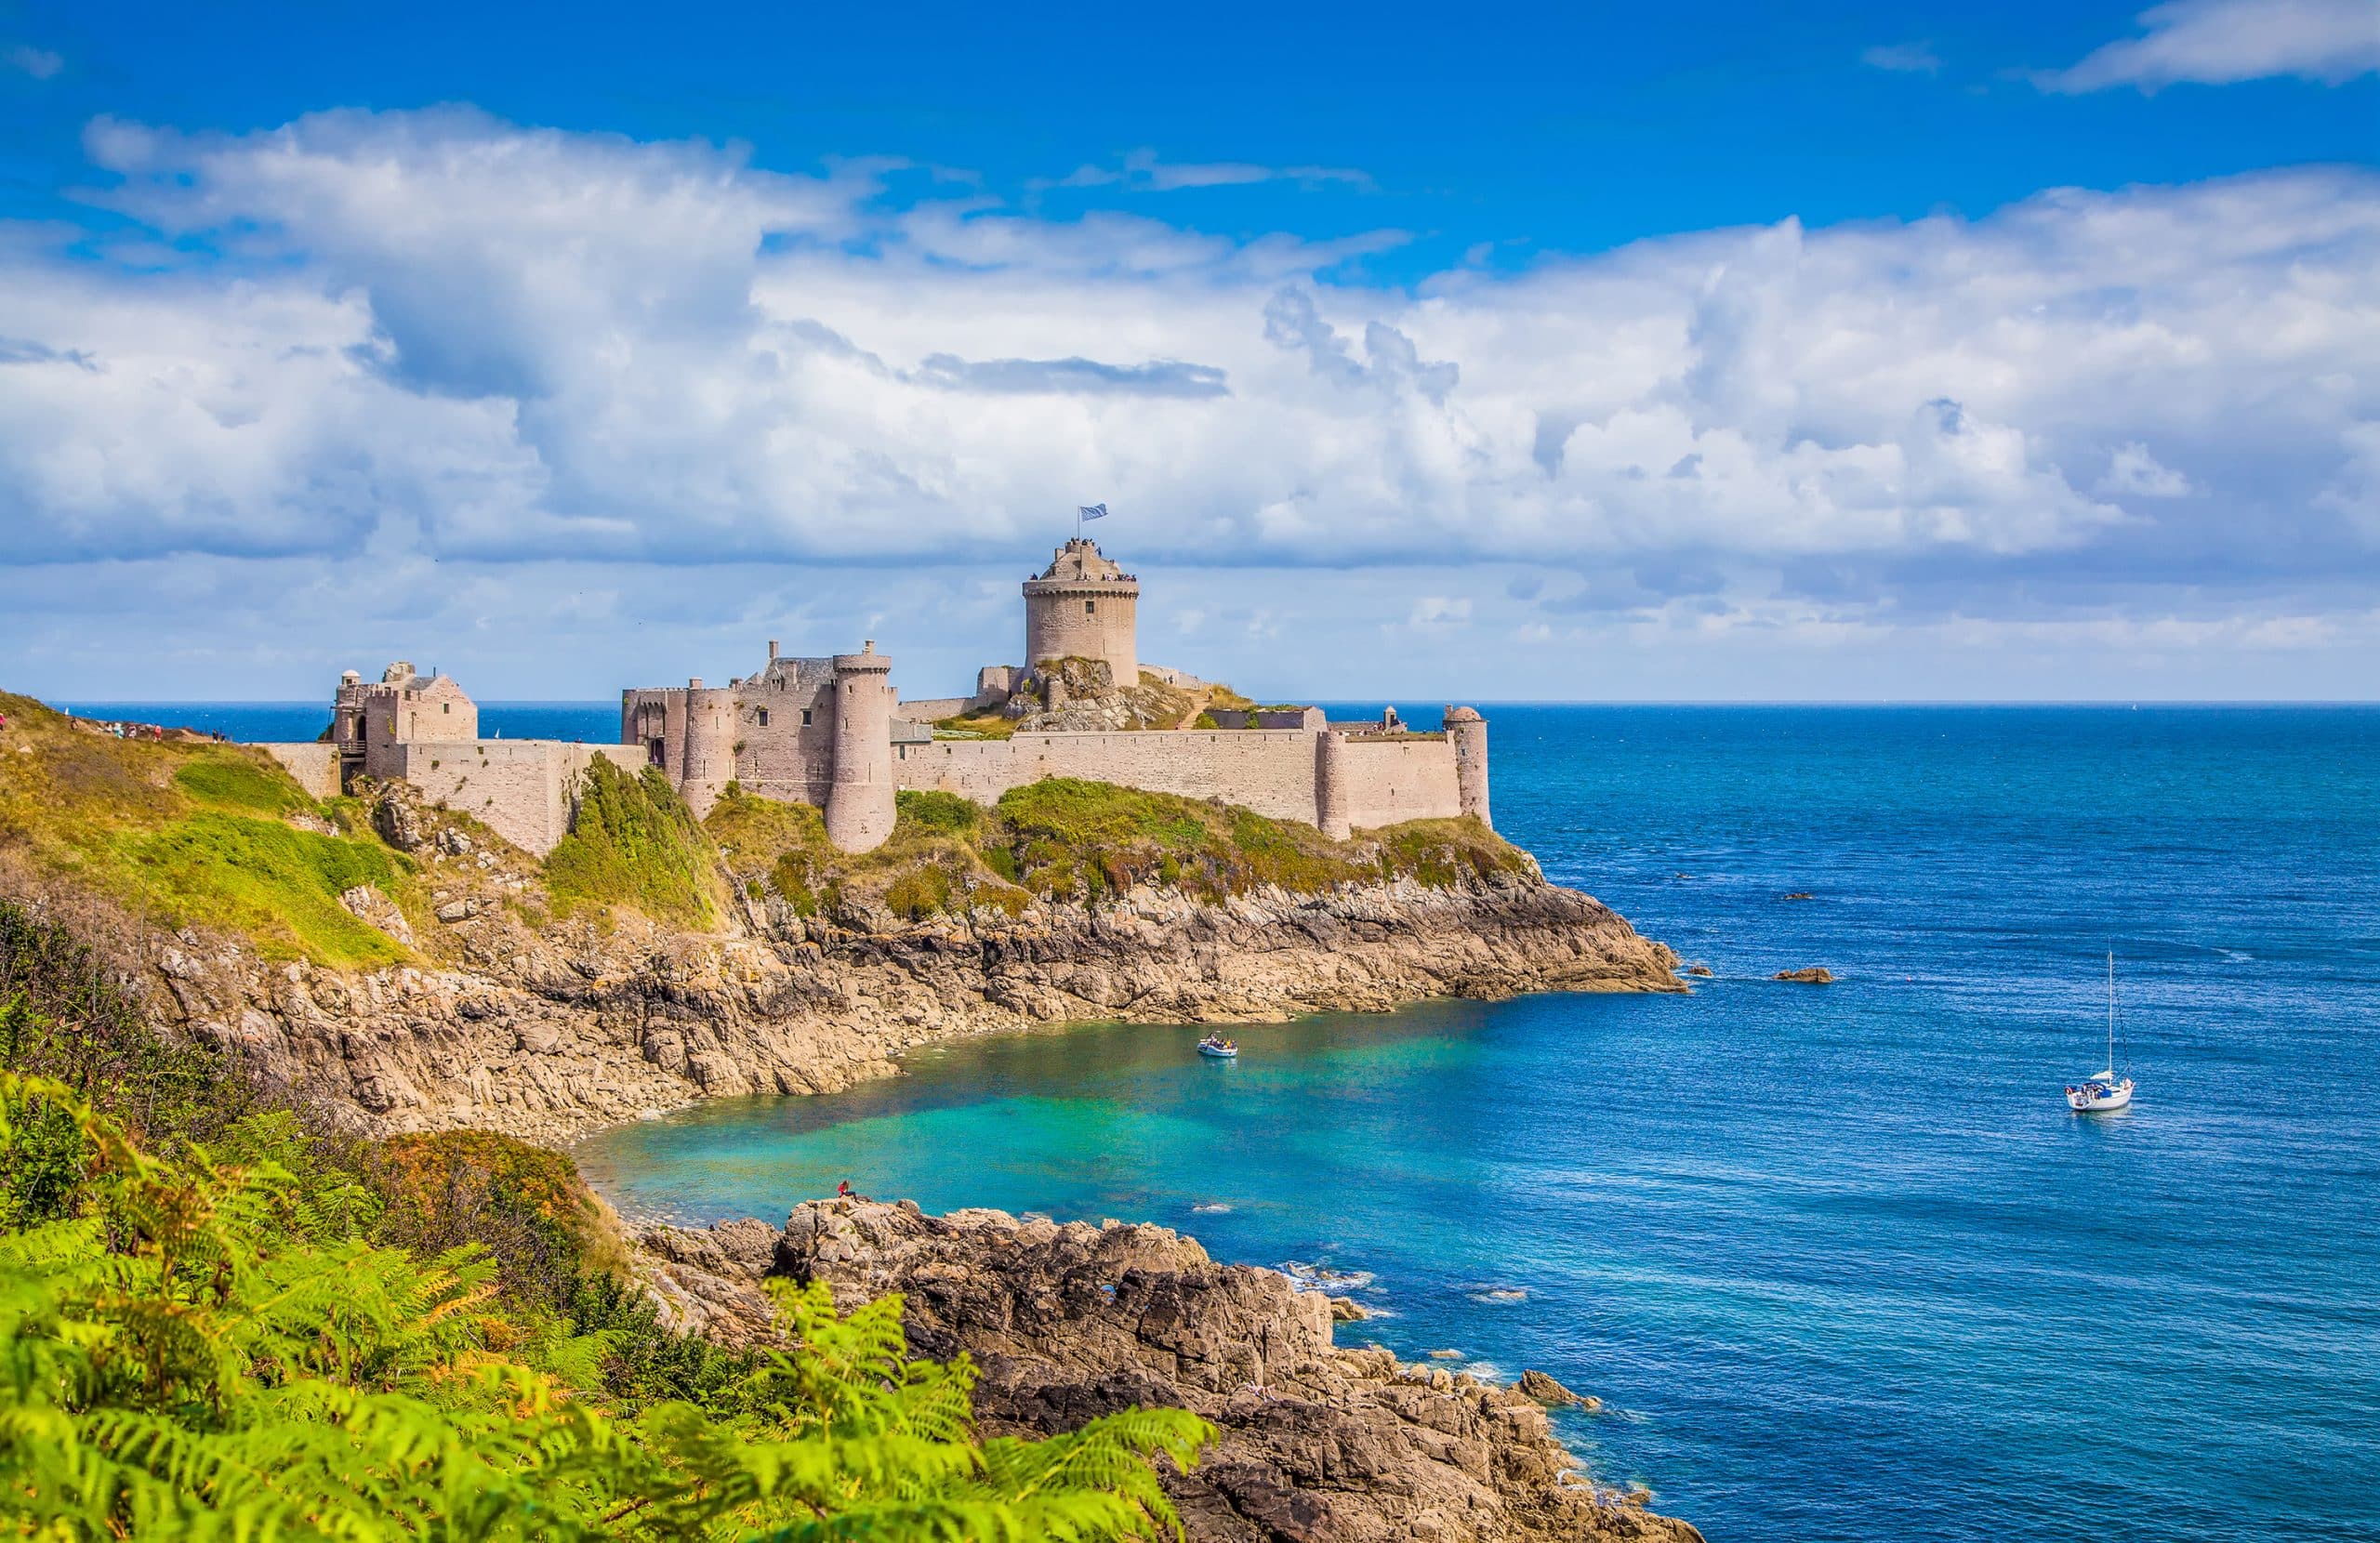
(1839, 1260)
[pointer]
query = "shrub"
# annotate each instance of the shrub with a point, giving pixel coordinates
(63, 1016)
(924, 809)
(634, 843)
(524, 1205)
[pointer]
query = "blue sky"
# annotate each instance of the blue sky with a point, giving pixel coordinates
(1595, 352)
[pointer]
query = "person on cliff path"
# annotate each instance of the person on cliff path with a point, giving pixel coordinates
(843, 1189)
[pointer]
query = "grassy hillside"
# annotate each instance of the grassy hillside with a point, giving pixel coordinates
(211, 833)
(1068, 840)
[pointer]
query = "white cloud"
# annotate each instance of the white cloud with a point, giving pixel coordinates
(1142, 171)
(2219, 42)
(24, 58)
(1912, 58)
(406, 345)
(2355, 492)
(2133, 470)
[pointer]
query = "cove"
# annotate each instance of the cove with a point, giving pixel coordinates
(1837, 1259)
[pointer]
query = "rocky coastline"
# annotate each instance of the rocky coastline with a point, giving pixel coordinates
(551, 1030)
(1316, 1443)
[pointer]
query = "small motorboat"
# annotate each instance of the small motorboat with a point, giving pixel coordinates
(1219, 1048)
(2103, 1090)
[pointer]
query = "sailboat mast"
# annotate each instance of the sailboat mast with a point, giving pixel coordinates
(2111, 1009)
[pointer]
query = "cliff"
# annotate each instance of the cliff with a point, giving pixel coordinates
(550, 1033)
(1317, 1443)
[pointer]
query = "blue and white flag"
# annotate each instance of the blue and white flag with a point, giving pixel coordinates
(1091, 512)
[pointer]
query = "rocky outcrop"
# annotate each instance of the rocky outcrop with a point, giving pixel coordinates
(1317, 1443)
(547, 1030)
(1546, 1390)
(704, 1280)
(1815, 975)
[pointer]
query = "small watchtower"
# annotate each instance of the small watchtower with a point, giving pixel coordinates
(1082, 606)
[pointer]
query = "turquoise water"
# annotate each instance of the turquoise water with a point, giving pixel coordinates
(1839, 1259)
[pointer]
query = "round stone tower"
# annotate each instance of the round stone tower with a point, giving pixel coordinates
(1082, 606)
(1467, 731)
(859, 805)
(1330, 785)
(707, 763)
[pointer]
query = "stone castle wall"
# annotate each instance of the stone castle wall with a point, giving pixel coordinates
(1386, 782)
(526, 790)
(1270, 773)
(312, 764)
(1273, 771)
(933, 709)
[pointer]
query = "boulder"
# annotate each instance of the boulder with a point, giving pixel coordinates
(1545, 1390)
(1815, 975)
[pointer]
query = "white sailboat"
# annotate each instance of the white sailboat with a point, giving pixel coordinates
(2103, 1090)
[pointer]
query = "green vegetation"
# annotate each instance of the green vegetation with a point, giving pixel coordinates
(275, 883)
(194, 832)
(635, 843)
(1069, 840)
(934, 863)
(215, 1325)
(62, 1016)
(991, 725)
(1075, 840)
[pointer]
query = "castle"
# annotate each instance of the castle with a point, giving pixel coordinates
(835, 733)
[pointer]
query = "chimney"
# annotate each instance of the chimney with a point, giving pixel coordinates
(773, 651)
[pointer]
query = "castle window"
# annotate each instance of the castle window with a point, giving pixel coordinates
(764, 718)
(1090, 608)
(445, 707)
(805, 717)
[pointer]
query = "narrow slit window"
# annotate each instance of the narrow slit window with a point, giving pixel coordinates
(764, 718)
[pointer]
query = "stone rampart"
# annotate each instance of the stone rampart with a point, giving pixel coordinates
(312, 763)
(526, 790)
(933, 709)
(1271, 771)
(1267, 718)
(1386, 782)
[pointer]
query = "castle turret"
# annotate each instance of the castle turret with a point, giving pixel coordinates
(859, 804)
(707, 763)
(1082, 606)
(1467, 731)
(1330, 785)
